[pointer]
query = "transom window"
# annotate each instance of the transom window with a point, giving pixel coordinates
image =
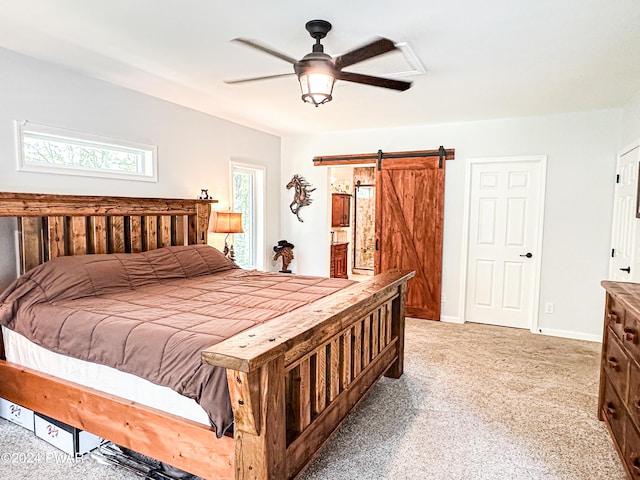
(55, 150)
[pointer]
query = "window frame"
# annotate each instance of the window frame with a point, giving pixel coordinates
(259, 199)
(149, 152)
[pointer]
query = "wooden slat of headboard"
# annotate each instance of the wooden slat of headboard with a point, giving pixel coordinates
(202, 220)
(177, 230)
(135, 229)
(98, 234)
(150, 236)
(77, 238)
(56, 237)
(192, 229)
(30, 243)
(116, 234)
(164, 231)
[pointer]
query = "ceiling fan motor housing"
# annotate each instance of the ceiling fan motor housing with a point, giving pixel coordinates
(318, 29)
(315, 61)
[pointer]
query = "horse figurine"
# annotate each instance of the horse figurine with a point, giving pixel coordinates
(301, 198)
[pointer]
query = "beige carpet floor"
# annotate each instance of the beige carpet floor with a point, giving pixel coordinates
(476, 402)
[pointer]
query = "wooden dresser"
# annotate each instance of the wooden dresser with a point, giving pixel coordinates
(619, 397)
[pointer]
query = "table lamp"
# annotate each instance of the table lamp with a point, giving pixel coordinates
(226, 222)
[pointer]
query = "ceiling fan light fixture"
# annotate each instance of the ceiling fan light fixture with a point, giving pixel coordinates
(316, 76)
(316, 87)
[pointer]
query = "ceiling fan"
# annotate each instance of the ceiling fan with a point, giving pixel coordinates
(318, 71)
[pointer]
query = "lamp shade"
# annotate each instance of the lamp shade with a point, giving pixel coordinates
(226, 222)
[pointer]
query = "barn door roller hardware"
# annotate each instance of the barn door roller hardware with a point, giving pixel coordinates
(376, 158)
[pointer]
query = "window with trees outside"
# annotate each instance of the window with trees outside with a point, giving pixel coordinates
(247, 190)
(55, 150)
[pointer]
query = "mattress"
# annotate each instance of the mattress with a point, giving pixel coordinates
(23, 352)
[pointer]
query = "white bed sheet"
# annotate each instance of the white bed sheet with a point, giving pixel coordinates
(22, 351)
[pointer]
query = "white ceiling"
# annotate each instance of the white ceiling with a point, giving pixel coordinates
(489, 59)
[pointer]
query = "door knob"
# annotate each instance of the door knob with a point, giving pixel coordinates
(528, 255)
(628, 269)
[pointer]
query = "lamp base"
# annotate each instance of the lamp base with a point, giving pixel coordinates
(229, 252)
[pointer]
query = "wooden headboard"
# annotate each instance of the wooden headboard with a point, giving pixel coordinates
(51, 226)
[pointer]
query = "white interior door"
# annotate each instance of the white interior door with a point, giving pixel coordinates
(505, 212)
(623, 235)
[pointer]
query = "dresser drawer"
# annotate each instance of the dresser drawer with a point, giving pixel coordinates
(632, 450)
(616, 364)
(614, 316)
(631, 335)
(614, 413)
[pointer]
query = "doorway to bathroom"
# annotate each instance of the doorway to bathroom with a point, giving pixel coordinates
(353, 217)
(364, 220)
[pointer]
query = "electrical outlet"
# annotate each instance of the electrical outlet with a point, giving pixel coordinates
(548, 307)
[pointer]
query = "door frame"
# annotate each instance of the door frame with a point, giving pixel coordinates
(537, 247)
(621, 153)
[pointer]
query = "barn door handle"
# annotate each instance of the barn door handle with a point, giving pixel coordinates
(376, 244)
(628, 269)
(528, 255)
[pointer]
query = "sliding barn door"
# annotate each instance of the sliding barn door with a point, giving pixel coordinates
(409, 204)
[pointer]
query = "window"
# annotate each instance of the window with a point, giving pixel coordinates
(247, 189)
(55, 150)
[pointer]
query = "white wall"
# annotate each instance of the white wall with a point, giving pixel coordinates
(631, 121)
(194, 149)
(581, 150)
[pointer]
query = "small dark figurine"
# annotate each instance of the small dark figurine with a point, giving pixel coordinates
(204, 194)
(284, 249)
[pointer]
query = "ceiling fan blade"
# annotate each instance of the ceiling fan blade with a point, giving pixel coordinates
(401, 85)
(265, 49)
(373, 49)
(253, 79)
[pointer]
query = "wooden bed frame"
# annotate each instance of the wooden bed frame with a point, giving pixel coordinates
(292, 381)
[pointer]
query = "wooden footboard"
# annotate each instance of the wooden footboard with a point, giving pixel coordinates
(294, 380)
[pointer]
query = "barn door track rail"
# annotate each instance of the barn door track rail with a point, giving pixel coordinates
(376, 158)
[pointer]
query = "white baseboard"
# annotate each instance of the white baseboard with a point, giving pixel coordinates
(448, 319)
(568, 334)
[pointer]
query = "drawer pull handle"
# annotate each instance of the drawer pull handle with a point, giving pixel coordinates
(629, 335)
(637, 404)
(613, 364)
(613, 318)
(611, 410)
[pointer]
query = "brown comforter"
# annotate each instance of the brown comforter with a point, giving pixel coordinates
(152, 313)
